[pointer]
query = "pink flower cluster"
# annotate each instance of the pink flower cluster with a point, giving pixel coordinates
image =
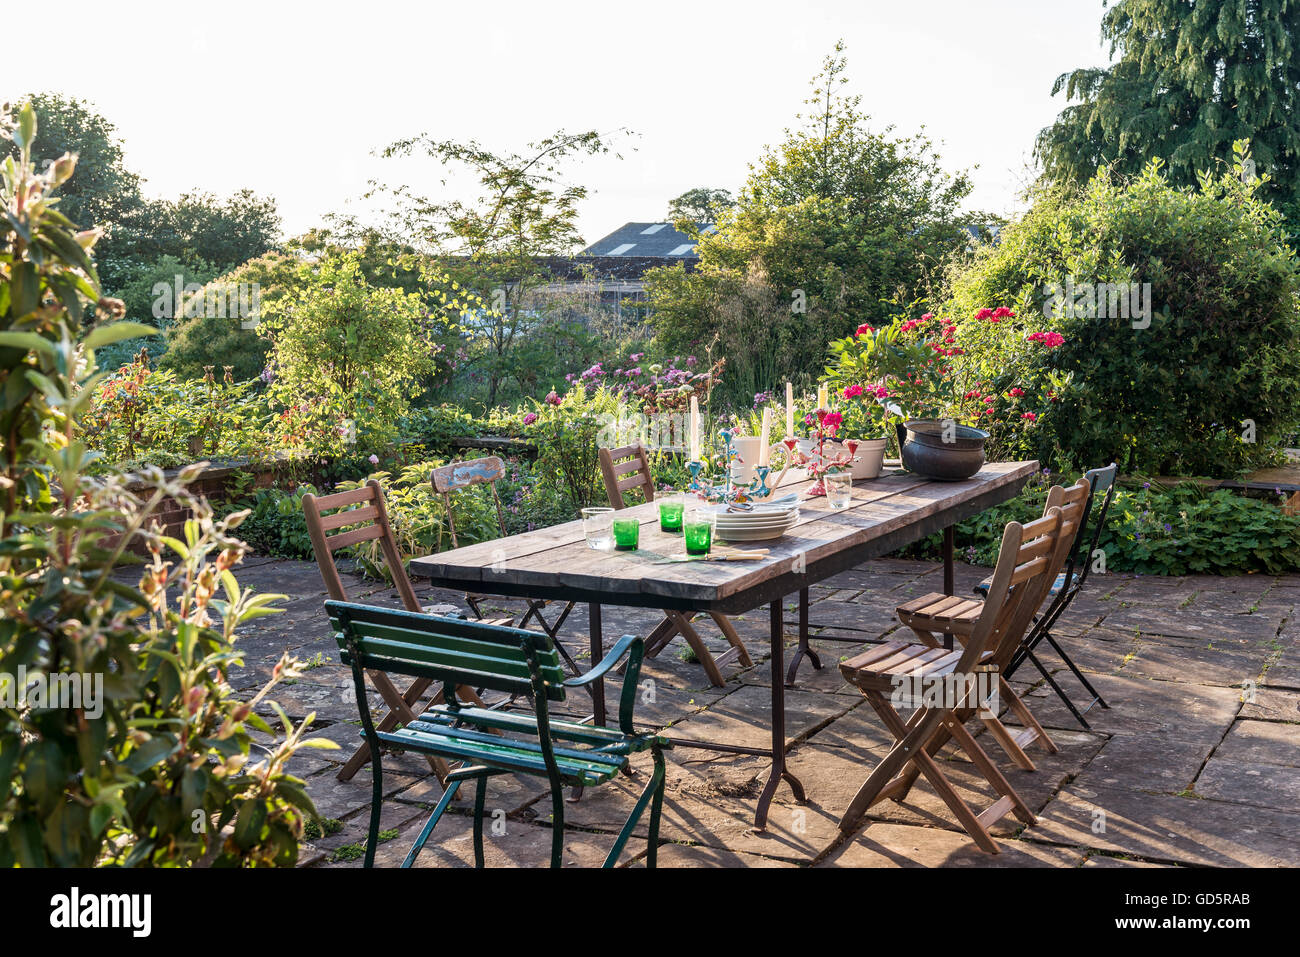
(1050, 339)
(995, 315)
(830, 421)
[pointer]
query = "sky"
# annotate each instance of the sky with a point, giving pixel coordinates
(293, 100)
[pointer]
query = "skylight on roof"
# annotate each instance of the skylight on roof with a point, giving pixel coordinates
(650, 231)
(682, 250)
(620, 250)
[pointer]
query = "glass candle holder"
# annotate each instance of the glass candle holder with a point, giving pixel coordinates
(627, 532)
(839, 489)
(596, 525)
(697, 529)
(671, 510)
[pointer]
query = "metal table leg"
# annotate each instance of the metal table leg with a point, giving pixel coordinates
(949, 539)
(949, 573)
(804, 648)
(778, 725)
(597, 653)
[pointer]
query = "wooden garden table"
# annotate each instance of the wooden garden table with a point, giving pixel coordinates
(885, 514)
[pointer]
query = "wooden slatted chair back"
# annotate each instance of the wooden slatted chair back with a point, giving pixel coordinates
(1024, 563)
(625, 470)
(1073, 503)
(451, 650)
(456, 476)
(358, 515)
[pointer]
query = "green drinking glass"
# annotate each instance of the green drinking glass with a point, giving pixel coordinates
(697, 529)
(670, 515)
(627, 531)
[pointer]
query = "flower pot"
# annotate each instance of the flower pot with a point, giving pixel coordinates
(925, 452)
(869, 459)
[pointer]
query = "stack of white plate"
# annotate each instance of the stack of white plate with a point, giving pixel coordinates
(763, 523)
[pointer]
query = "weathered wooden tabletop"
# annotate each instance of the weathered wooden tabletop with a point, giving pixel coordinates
(885, 514)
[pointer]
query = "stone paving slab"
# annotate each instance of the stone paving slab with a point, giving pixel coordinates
(898, 845)
(1242, 782)
(1261, 742)
(1171, 829)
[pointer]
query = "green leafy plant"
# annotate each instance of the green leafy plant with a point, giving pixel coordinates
(140, 754)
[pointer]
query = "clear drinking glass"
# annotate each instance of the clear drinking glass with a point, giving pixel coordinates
(839, 489)
(697, 529)
(597, 524)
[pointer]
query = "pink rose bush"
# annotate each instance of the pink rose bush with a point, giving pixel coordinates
(936, 366)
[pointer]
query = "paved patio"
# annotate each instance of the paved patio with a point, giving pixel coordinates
(1196, 763)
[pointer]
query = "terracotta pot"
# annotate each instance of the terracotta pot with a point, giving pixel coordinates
(926, 453)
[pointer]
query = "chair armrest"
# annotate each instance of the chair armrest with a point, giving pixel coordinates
(608, 662)
(631, 647)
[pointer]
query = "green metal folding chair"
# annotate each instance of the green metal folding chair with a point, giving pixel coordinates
(458, 652)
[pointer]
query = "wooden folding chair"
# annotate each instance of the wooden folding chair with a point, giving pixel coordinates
(1024, 563)
(456, 476)
(359, 515)
(935, 614)
(626, 470)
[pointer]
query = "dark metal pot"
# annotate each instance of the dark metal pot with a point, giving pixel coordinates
(926, 453)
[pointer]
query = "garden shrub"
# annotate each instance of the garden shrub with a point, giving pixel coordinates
(205, 340)
(346, 353)
(1154, 529)
(142, 415)
(1208, 388)
(276, 524)
(154, 768)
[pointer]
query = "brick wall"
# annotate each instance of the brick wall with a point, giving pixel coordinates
(216, 484)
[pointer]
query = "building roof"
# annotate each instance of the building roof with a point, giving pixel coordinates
(622, 268)
(645, 239)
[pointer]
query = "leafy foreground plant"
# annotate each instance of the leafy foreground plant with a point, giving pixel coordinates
(120, 738)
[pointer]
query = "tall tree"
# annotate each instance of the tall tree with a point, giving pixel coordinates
(832, 222)
(1190, 77)
(104, 190)
(524, 210)
(700, 205)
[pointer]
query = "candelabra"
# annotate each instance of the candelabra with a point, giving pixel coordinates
(730, 491)
(817, 461)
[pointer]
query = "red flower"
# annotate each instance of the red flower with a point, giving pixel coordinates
(864, 330)
(1016, 393)
(1029, 417)
(853, 391)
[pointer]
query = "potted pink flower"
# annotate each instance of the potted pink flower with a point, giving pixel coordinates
(866, 418)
